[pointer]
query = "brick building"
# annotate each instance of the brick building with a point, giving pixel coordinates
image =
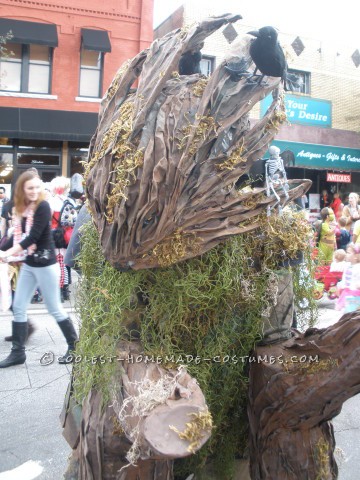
(324, 116)
(64, 54)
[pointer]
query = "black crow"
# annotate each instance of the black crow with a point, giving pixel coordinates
(190, 62)
(267, 53)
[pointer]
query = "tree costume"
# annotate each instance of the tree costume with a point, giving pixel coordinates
(181, 269)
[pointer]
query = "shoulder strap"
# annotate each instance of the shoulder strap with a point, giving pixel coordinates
(57, 220)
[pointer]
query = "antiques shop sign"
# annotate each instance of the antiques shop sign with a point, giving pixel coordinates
(338, 177)
(303, 110)
(310, 155)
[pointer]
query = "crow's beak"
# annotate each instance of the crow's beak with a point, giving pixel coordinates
(254, 33)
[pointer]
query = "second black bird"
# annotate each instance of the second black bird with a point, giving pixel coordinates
(267, 53)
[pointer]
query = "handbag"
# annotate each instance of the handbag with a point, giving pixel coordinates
(59, 237)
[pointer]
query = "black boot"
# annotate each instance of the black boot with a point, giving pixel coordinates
(70, 334)
(17, 355)
(31, 330)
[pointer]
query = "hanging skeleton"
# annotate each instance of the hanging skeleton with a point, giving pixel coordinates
(275, 175)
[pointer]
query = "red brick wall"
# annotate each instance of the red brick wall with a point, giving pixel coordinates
(130, 27)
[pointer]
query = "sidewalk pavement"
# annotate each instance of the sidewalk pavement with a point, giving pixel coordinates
(31, 399)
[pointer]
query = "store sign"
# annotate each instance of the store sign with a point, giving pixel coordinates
(338, 177)
(309, 155)
(303, 110)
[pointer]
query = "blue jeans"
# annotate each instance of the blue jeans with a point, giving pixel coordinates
(48, 280)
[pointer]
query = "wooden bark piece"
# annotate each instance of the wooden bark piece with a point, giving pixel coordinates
(156, 406)
(164, 160)
(292, 401)
(160, 428)
(103, 446)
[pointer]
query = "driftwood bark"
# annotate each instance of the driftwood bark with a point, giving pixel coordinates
(164, 160)
(104, 435)
(296, 388)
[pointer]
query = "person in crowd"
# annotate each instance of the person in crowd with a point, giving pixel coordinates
(327, 240)
(339, 263)
(3, 198)
(337, 205)
(324, 199)
(73, 249)
(59, 189)
(6, 215)
(356, 233)
(13, 268)
(348, 289)
(344, 238)
(351, 211)
(32, 234)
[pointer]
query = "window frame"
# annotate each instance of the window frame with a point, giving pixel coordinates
(212, 60)
(101, 70)
(307, 81)
(25, 64)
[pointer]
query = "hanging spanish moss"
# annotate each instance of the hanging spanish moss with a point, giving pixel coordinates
(205, 313)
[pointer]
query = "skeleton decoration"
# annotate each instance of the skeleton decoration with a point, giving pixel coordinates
(275, 176)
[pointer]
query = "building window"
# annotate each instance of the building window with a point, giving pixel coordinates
(38, 159)
(207, 65)
(91, 73)
(26, 68)
(300, 83)
(6, 166)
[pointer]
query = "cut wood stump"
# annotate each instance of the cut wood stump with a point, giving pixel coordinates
(155, 415)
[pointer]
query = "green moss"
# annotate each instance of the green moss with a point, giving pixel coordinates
(204, 313)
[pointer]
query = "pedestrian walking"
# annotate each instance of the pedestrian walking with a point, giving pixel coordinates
(351, 212)
(62, 224)
(32, 233)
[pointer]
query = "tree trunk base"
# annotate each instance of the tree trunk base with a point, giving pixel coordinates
(296, 388)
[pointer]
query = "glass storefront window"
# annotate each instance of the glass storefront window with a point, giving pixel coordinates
(37, 159)
(76, 165)
(6, 167)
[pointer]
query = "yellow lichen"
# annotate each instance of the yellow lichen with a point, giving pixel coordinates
(197, 133)
(278, 117)
(116, 81)
(236, 157)
(322, 448)
(200, 86)
(125, 175)
(195, 429)
(119, 131)
(175, 248)
(254, 201)
(310, 367)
